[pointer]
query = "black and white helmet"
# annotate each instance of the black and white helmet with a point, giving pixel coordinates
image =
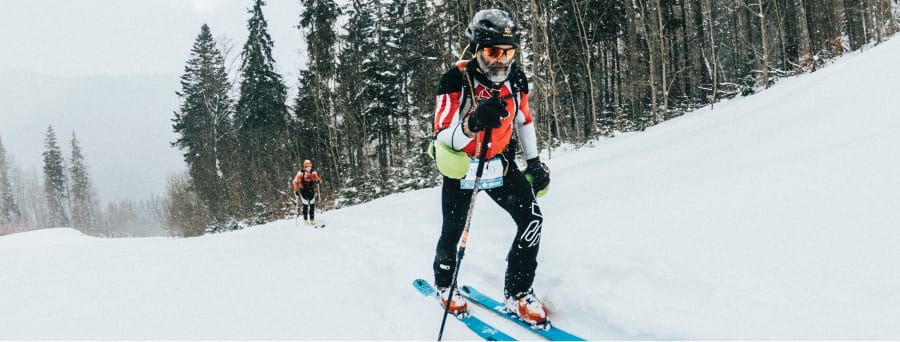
(492, 27)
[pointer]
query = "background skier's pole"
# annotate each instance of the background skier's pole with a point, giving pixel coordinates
(483, 151)
(297, 216)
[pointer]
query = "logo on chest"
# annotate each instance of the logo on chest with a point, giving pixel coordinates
(482, 93)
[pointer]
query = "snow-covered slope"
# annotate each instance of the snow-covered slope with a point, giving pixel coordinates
(770, 217)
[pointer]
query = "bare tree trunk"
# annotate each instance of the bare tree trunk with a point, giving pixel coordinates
(803, 28)
(782, 37)
(663, 58)
(710, 10)
(644, 28)
(764, 58)
(547, 86)
(586, 46)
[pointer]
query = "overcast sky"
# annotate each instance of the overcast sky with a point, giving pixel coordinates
(107, 70)
(122, 37)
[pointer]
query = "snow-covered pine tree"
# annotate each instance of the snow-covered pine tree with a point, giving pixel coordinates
(261, 117)
(9, 210)
(382, 89)
(419, 51)
(350, 84)
(55, 182)
(83, 199)
(315, 128)
(360, 48)
(205, 127)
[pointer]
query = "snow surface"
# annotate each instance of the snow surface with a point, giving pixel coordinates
(771, 217)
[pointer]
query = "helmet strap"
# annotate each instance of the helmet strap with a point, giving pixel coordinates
(466, 49)
(474, 54)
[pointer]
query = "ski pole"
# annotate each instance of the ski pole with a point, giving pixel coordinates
(483, 151)
(297, 215)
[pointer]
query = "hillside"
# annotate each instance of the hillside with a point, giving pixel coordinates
(770, 217)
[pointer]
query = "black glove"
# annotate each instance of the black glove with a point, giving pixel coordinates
(487, 114)
(540, 172)
(297, 193)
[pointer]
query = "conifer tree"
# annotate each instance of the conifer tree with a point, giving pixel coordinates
(419, 51)
(314, 106)
(9, 209)
(354, 50)
(390, 111)
(360, 51)
(310, 129)
(317, 21)
(205, 126)
(84, 200)
(55, 182)
(261, 119)
(379, 83)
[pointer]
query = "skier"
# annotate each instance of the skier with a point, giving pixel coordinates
(306, 188)
(490, 91)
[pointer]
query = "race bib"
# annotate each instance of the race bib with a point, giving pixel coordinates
(491, 177)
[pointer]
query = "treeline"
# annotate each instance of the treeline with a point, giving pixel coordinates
(362, 110)
(63, 195)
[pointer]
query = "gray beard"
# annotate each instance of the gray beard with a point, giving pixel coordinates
(494, 76)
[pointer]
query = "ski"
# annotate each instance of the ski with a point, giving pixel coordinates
(482, 329)
(553, 334)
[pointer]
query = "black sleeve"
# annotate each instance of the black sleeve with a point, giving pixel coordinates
(518, 79)
(451, 81)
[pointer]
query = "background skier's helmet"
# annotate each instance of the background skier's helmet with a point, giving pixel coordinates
(307, 163)
(492, 27)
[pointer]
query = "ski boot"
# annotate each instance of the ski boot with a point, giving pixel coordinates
(529, 309)
(459, 307)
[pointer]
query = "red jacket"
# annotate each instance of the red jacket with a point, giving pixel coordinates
(449, 117)
(304, 180)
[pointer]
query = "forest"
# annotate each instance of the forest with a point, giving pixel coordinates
(363, 106)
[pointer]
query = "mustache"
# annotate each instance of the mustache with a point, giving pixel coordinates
(499, 65)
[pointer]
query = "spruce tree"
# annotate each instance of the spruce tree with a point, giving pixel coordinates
(261, 119)
(371, 39)
(314, 106)
(55, 182)
(419, 51)
(9, 209)
(350, 82)
(205, 127)
(358, 47)
(310, 130)
(84, 203)
(388, 107)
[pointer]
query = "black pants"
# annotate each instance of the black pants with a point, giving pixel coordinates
(309, 210)
(517, 198)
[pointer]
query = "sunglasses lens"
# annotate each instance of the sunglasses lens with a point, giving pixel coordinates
(495, 52)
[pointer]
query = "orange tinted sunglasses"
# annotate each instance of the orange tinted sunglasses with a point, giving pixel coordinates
(495, 52)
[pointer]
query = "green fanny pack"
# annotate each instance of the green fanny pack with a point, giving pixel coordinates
(450, 163)
(455, 164)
